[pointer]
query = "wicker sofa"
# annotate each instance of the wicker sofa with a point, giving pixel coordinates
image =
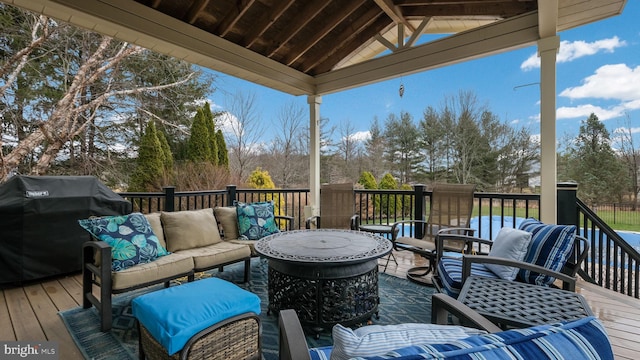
(580, 339)
(194, 241)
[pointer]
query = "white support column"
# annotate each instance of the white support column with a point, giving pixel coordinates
(314, 102)
(547, 50)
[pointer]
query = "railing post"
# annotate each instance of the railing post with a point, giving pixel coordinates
(169, 198)
(567, 208)
(231, 194)
(418, 211)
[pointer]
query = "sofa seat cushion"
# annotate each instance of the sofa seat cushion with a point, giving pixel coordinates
(249, 243)
(208, 257)
(580, 339)
(164, 267)
(189, 229)
(450, 272)
(175, 314)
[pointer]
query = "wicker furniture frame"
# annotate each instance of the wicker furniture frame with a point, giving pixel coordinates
(237, 338)
(337, 208)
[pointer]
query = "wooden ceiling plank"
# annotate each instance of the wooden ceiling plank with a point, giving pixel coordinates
(194, 10)
(310, 12)
(299, 50)
(259, 29)
(231, 18)
(483, 8)
(347, 43)
(394, 13)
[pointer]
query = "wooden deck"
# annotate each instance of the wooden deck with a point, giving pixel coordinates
(30, 313)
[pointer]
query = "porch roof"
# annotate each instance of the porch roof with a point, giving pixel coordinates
(324, 46)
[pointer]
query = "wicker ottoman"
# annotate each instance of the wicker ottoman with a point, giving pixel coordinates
(204, 319)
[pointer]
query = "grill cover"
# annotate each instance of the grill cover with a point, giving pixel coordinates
(39, 231)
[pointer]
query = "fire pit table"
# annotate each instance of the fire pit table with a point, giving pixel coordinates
(328, 276)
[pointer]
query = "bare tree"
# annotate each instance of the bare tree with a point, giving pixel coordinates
(631, 156)
(246, 129)
(288, 149)
(55, 83)
(348, 149)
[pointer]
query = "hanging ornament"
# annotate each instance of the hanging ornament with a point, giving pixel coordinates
(401, 90)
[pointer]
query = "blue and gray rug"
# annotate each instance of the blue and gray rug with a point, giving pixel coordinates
(400, 302)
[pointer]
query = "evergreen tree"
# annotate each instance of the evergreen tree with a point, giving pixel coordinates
(211, 133)
(223, 153)
(150, 167)
(199, 148)
(594, 164)
(388, 203)
(167, 156)
(403, 150)
(367, 180)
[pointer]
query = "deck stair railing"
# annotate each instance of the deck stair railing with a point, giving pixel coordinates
(612, 263)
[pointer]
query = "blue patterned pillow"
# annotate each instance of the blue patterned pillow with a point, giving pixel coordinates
(130, 236)
(550, 247)
(256, 220)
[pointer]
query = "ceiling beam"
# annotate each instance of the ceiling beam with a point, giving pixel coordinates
(498, 37)
(394, 13)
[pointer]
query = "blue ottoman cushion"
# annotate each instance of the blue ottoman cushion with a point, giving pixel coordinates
(175, 314)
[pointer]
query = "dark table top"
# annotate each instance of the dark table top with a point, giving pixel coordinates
(520, 305)
(325, 246)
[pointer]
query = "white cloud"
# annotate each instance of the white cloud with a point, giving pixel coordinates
(361, 136)
(570, 51)
(583, 111)
(617, 81)
(228, 123)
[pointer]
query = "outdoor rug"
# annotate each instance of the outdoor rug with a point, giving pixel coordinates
(400, 302)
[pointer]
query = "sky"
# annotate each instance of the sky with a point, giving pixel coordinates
(598, 71)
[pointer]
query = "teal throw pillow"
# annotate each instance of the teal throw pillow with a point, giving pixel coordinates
(130, 236)
(256, 220)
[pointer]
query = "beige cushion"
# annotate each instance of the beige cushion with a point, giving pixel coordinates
(249, 243)
(227, 216)
(212, 256)
(189, 229)
(156, 226)
(163, 267)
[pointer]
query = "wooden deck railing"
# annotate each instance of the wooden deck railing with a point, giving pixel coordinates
(612, 263)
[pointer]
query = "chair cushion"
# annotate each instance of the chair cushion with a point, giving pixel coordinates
(256, 220)
(550, 247)
(580, 339)
(379, 339)
(175, 314)
(130, 236)
(511, 244)
(450, 272)
(190, 229)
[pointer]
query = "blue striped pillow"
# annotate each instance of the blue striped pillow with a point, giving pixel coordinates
(580, 339)
(550, 247)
